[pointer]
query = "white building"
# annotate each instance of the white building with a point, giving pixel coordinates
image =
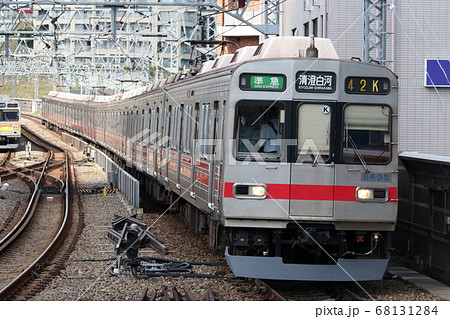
(416, 30)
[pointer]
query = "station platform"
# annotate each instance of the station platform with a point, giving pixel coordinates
(431, 285)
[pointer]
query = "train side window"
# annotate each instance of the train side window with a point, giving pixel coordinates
(127, 124)
(173, 134)
(180, 127)
(204, 129)
(313, 140)
(154, 127)
(259, 130)
(167, 122)
(137, 124)
(133, 125)
(143, 122)
(215, 127)
(187, 130)
(150, 121)
(195, 131)
(366, 134)
(160, 117)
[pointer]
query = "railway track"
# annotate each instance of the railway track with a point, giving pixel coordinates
(307, 291)
(42, 228)
(14, 193)
(166, 294)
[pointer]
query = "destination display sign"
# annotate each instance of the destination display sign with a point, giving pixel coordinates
(262, 82)
(367, 85)
(315, 82)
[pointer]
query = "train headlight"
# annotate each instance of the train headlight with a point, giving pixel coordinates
(249, 191)
(375, 194)
(258, 191)
(364, 194)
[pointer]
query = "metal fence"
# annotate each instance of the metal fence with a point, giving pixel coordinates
(120, 179)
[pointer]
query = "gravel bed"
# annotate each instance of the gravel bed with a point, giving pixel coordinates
(90, 280)
(394, 290)
(16, 191)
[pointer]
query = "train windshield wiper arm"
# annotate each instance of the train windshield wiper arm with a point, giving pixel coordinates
(316, 159)
(319, 152)
(358, 153)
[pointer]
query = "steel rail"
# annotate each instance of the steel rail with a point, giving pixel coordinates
(29, 212)
(8, 290)
(275, 294)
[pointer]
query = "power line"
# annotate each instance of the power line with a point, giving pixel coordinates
(444, 105)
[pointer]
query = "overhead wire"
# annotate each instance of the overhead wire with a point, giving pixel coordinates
(432, 29)
(426, 40)
(444, 105)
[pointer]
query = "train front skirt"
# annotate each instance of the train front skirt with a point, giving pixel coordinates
(274, 268)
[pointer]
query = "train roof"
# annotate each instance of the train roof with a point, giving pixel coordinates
(294, 47)
(271, 48)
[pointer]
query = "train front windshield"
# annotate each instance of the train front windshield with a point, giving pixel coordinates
(366, 134)
(260, 127)
(9, 116)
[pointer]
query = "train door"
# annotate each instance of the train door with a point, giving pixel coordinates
(155, 140)
(131, 138)
(185, 164)
(179, 144)
(135, 137)
(214, 168)
(166, 143)
(172, 165)
(104, 123)
(147, 140)
(202, 167)
(128, 141)
(139, 135)
(123, 125)
(142, 134)
(195, 149)
(312, 172)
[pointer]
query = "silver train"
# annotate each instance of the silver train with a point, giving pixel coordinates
(287, 163)
(10, 128)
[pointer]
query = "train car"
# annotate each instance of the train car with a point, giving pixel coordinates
(285, 159)
(10, 128)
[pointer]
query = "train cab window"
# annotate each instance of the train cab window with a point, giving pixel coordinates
(313, 140)
(9, 115)
(366, 135)
(259, 130)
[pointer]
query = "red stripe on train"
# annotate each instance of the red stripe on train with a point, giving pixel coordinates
(311, 192)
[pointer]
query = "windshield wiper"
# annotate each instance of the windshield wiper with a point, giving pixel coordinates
(358, 154)
(316, 159)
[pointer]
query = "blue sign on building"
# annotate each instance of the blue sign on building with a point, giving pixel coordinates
(437, 73)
